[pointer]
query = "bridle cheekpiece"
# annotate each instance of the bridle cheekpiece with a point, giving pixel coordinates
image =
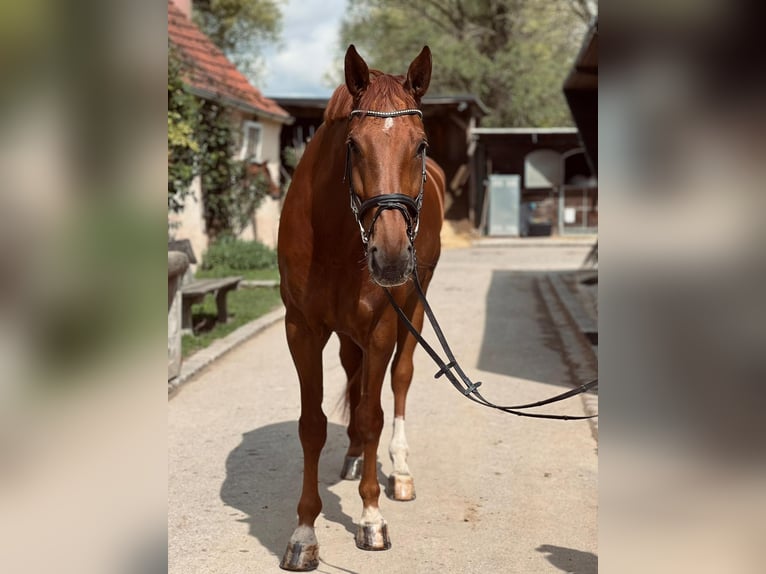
(407, 206)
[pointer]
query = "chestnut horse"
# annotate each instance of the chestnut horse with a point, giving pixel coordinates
(363, 201)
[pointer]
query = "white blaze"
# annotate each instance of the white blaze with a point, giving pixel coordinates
(388, 124)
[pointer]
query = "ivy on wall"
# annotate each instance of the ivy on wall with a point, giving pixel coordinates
(183, 145)
(202, 141)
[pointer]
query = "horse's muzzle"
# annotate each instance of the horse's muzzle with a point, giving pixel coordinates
(390, 269)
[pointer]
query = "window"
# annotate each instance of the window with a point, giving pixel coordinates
(252, 141)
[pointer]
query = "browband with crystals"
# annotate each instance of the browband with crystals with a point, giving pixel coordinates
(396, 114)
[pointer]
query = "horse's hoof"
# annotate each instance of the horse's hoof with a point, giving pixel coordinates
(401, 487)
(300, 557)
(373, 536)
(352, 468)
(302, 551)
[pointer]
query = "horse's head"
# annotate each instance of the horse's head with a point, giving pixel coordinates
(386, 162)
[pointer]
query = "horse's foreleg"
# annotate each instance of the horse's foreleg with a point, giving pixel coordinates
(306, 348)
(351, 359)
(372, 532)
(400, 484)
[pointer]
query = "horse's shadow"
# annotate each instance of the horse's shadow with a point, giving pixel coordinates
(570, 560)
(263, 480)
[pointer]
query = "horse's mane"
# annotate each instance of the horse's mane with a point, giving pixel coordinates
(385, 93)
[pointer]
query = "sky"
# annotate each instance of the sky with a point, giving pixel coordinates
(310, 44)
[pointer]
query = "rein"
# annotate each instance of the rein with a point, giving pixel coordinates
(460, 380)
(410, 209)
(407, 206)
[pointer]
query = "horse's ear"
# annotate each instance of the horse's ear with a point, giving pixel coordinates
(419, 74)
(357, 72)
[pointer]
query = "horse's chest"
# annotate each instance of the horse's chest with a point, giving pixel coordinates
(336, 294)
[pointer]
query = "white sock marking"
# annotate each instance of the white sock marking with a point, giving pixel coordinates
(398, 449)
(303, 535)
(371, 515)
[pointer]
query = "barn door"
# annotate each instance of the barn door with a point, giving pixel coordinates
(504, 203)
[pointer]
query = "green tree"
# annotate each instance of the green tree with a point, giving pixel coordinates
(513, 54)
(241, 28)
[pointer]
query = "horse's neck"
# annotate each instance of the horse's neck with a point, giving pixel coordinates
(331, 164)
(332, 215)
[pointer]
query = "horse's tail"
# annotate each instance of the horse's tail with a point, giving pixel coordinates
(343, 405)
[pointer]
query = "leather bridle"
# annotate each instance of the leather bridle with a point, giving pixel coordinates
(406, 205)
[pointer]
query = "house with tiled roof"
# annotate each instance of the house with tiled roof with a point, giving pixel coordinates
(209, 75)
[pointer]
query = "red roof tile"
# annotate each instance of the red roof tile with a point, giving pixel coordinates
(209, 71)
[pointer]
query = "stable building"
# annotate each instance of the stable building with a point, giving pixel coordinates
(537, 182)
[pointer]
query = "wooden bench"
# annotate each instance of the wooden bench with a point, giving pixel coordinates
(195, 292)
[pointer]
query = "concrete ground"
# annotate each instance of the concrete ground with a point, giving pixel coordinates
(495, 493)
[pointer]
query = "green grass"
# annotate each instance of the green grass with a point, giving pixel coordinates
(244, 305)
(256, 274)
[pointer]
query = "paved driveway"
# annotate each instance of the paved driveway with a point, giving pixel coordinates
(495, 493)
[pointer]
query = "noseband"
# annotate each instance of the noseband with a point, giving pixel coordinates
(407, 206)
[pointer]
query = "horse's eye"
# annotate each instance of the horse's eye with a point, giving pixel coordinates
(352, 145)
(422, 147)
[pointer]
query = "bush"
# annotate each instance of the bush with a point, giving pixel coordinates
(237, 255)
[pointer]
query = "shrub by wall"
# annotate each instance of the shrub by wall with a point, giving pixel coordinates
(237, 255)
